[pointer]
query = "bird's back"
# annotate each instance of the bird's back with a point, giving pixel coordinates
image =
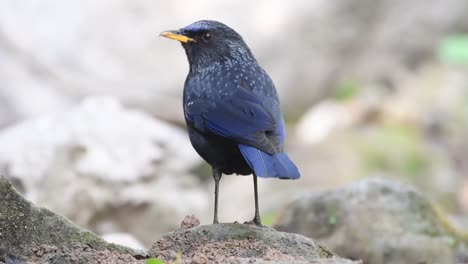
(239, 103)
(222, 80)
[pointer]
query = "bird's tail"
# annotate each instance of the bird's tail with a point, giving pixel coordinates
(267, 166)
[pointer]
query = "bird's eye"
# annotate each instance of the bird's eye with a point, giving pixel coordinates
(207, 37)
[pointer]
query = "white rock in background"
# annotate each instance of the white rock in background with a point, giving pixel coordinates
(319, 121)
(99, 163)
(123, 239)
(330, 116)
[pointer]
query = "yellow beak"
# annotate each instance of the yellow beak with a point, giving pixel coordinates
(176, 36)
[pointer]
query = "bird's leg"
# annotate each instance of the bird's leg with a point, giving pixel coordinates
(217, 176)
(257, 221)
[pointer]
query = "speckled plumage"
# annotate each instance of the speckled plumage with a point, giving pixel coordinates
(220, 85)
(231, 106)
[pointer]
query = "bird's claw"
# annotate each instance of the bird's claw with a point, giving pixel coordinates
(255, 222)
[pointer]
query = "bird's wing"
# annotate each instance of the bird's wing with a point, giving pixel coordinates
(241, 117)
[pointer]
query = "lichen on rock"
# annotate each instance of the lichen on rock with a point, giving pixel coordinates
(376, 220)
(26, 229)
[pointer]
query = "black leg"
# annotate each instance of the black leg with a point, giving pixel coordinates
(217, 176)
(256, 220)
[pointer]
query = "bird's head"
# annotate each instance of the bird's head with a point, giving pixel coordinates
(207, 42)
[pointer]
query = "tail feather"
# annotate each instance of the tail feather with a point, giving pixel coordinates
(269, 166)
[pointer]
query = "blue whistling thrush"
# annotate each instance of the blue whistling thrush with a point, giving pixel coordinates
(231, 107)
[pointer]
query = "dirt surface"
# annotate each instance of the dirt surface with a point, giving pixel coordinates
(239, 243)
(78, 254)
(221, 243)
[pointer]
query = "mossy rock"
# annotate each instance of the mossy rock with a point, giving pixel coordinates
(240, 243)
(25, 227)
(37, 235)
(377, 220)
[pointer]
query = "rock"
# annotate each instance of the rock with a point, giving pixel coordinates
(125, 239)
(376, 220)
(418, 135)
(189, 222)
(240, 243)
(323, 120)
(127, 168)
(29, 233)
(77, 253)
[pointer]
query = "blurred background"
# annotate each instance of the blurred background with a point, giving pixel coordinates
(91, 122)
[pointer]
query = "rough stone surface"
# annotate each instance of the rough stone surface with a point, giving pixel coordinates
(239, 243)
(189, 222)
(76, 254)
(121, 162)
(31, 233)
(376, 220)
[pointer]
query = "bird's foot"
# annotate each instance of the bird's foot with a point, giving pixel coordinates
(256, 221)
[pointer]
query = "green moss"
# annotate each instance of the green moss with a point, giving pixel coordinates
(460, 236)
(441, 226)
(88, 238)
(325, 253)
(154, 261)
(22, 225)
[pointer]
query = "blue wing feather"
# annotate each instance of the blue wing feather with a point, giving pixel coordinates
(241, 117)
(256, 125)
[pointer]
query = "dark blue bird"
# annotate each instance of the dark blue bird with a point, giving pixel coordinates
(231, 107)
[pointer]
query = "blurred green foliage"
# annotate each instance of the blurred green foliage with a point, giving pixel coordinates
(347, 89)
(396, 148)
(204, 172)
(332, 220)
(270, 218)
(454, 49)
